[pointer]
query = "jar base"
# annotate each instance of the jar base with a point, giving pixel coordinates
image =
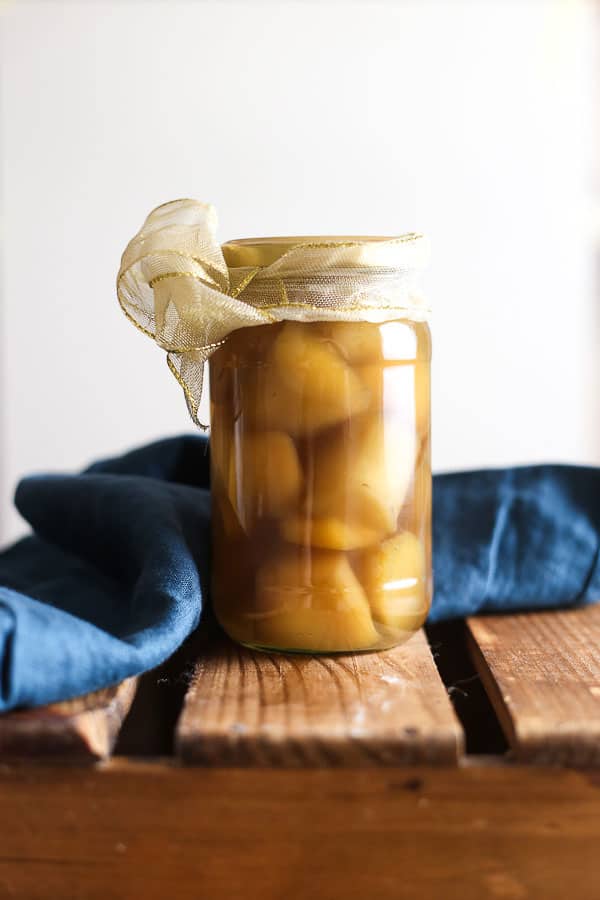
(295, 651)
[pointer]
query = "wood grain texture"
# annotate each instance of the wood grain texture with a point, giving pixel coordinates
(157, 830)
(80, 730)
(246, 708)
(542, 674)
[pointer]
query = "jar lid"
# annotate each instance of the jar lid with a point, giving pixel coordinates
(361, 251)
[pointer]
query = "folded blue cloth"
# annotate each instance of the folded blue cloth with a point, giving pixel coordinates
(114, 578)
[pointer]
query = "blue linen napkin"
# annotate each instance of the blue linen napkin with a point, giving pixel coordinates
(114, 577)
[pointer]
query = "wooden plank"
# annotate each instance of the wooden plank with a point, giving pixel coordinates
(247, 708)
(542, 674)
(154, 831)
(81, 730)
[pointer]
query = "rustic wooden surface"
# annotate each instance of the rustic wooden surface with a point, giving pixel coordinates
(157, 830)
(248, 708)
(542, 674)
(284, 805)
(79, 730)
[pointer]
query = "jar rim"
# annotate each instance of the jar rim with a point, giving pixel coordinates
(263, 251)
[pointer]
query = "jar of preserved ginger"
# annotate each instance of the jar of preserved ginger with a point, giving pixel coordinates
(319, 354)
(320, 459)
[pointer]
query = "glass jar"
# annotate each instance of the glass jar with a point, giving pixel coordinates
(321, 479)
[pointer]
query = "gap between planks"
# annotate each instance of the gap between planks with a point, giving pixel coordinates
(245, 708)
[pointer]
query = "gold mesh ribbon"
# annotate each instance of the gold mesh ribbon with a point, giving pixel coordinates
(175, 286)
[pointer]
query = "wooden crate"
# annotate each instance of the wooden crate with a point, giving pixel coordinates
(464, 764)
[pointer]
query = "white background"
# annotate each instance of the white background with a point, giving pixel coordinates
(472, 121)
